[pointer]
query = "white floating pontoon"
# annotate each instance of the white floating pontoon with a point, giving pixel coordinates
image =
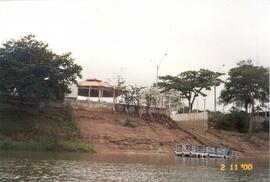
(189, 150)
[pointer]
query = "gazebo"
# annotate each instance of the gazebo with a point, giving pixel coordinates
(96, 88)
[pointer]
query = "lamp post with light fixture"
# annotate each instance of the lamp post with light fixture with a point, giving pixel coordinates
(157, 67)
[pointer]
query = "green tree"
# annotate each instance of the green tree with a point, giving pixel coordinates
(149, 97)
(138, 96)
(235, 120)
(128, 97)
(173, 100)
(245, 85)
(190, 84)
(29, 69)
(119, 86)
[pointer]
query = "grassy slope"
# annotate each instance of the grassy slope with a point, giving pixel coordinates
(23, 128)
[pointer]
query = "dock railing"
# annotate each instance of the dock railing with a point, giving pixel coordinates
(203, 151)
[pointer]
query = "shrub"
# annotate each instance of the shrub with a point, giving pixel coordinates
(214, 118)
(6, 144)
(236, 120)
(129, 123)
(75, 146)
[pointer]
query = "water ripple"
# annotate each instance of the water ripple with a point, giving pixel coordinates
(18, 169)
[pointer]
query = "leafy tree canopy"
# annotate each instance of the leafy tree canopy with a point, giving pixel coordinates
(137, 94)
(190, 84)
(245, 84)
(149, 97)
(29, 69)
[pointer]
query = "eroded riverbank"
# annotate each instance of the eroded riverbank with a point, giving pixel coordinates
(108, 133)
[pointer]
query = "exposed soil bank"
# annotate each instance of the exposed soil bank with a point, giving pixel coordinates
(110, 133)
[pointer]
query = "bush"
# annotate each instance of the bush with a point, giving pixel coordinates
(46, 145)
(6, 144)
(128, 123)
(265, 125)
(214, 118)
(75, 146)
(236, 120)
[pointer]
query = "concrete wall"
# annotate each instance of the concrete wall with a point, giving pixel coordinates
(198, 121)
(109, 106)
(95, 99)
(89, 105)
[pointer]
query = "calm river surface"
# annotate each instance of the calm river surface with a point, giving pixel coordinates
(36, 166)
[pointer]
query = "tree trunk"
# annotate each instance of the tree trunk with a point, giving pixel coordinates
(149, 113)
(192, 102)
(41, 104)
(189, 106)
(137, 107)
(246, 107)
(251, 122)
(127, 109)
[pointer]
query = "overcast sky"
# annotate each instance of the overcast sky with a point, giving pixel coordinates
(105, 36)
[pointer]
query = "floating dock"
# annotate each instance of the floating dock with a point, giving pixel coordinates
(189, 150)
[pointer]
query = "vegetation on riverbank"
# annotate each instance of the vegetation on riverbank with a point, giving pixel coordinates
(236, 120)
(23, 128)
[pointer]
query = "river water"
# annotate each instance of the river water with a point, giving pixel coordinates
(36, 166)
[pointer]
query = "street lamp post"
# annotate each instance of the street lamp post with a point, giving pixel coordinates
(215, 98)
(215, 91)
(157, 67)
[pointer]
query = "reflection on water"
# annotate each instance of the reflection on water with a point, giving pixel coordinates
(21, 166)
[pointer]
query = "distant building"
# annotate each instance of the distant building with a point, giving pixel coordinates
(96, 90)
